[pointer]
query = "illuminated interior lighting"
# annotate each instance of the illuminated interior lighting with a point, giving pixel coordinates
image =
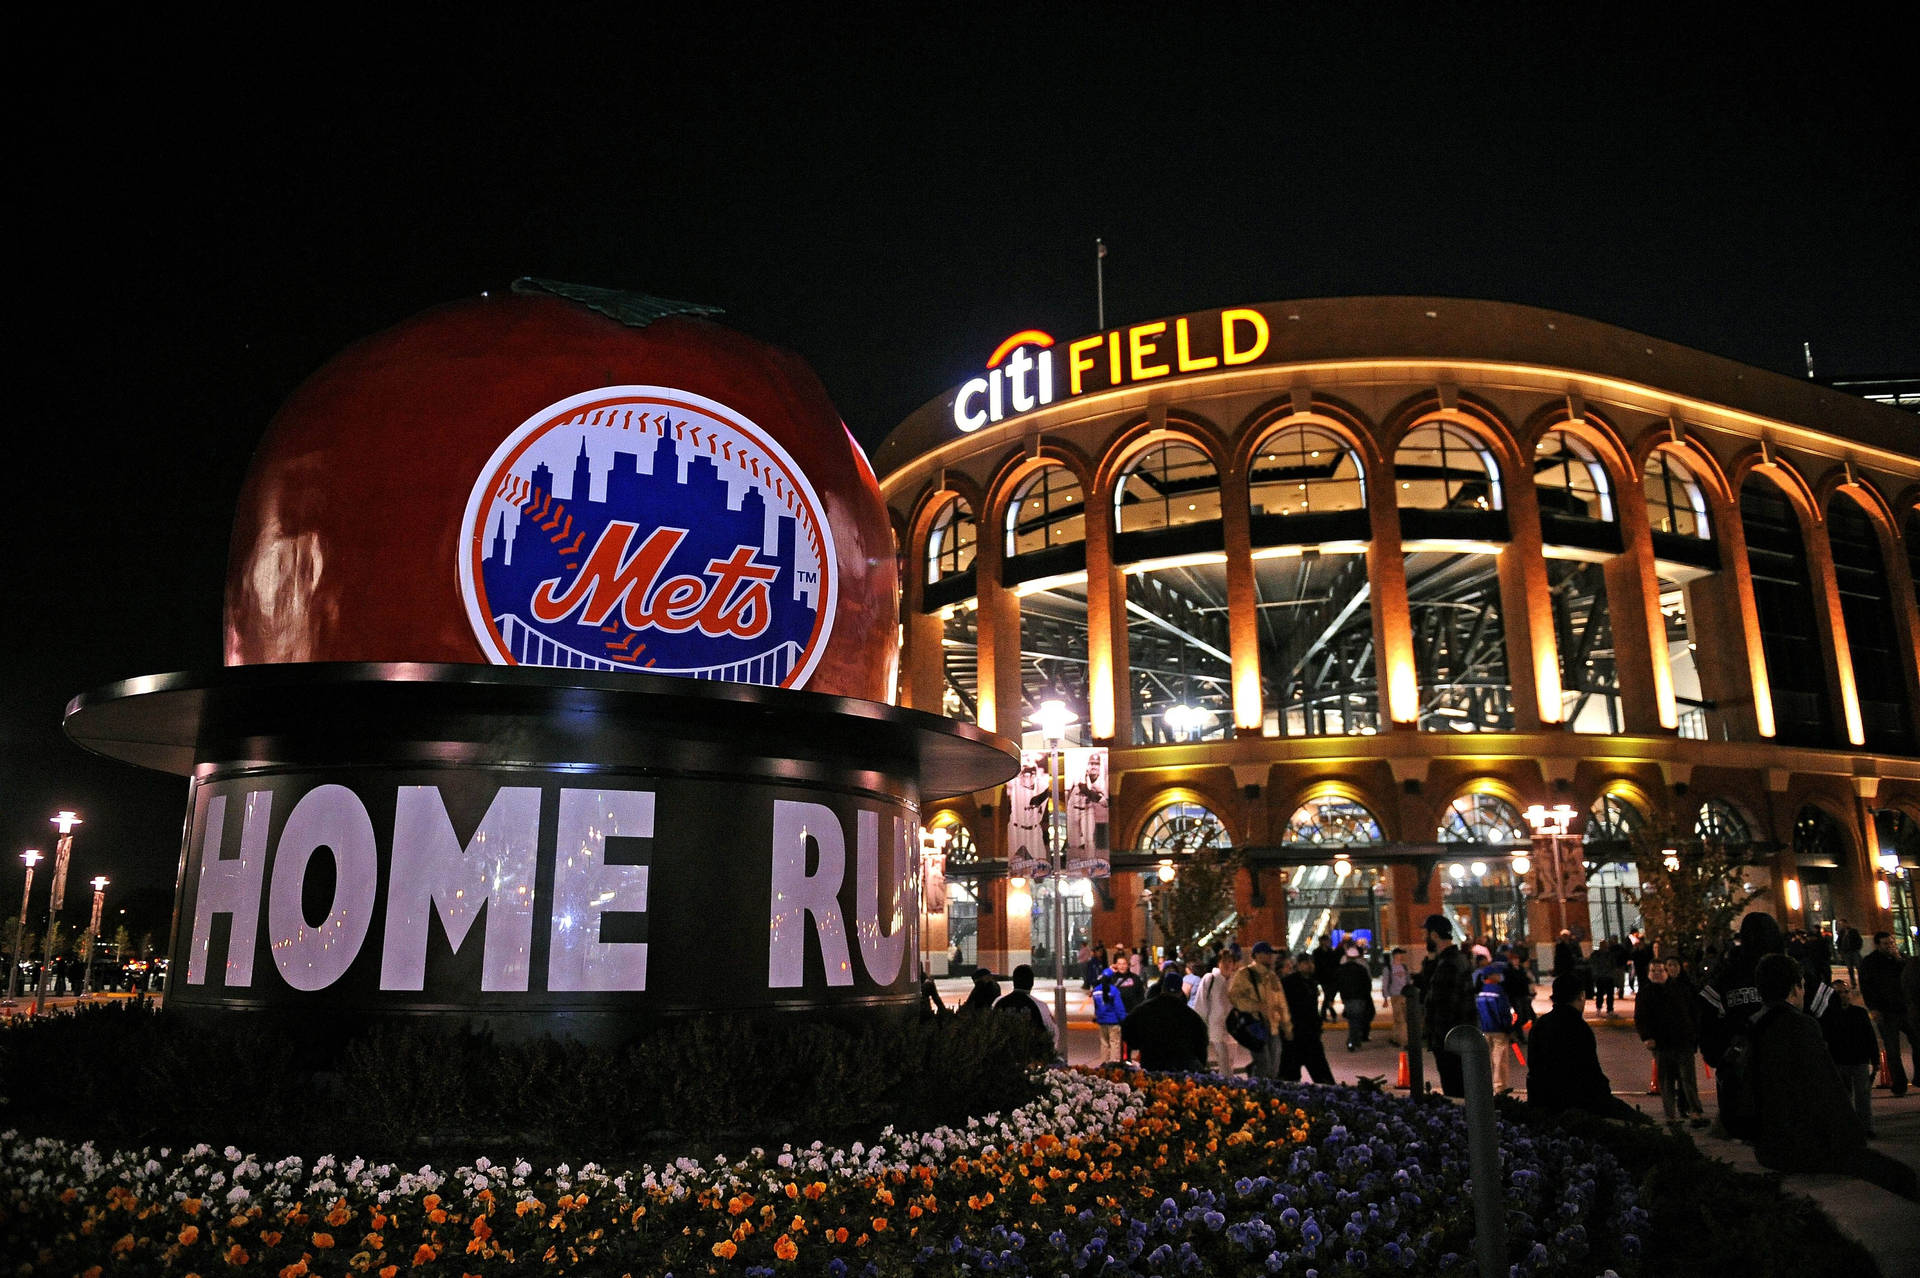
(1793, 894)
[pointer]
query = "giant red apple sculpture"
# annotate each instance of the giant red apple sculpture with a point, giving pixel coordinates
(564, 476)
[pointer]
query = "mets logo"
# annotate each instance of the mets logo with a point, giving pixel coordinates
(646, 528)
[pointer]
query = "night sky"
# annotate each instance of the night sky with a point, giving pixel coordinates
(210, 214)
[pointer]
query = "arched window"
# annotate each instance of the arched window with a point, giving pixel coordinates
(1442, 467)
(1783, 597)
(1332, 820)
(1483, 818)
(1569, 480)
(961, 849)
(1170, 484)
(1720, 822)
(1675, 504)
(1049, 510)
(950, 544)
(1612, 823)
(1181, 827)
(1301, 470)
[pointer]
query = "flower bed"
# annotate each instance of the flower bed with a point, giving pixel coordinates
(1107, 1173)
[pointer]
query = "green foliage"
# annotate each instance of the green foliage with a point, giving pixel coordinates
(1692, 890)
(1200, 895)
(435, 1090)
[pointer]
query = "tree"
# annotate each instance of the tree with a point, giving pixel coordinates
(1200, 895)
(1692, 890)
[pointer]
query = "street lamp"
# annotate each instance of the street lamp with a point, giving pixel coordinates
(99, 885)
(64, 821)
(1551, 824)
(1052, 718)
(32, 857)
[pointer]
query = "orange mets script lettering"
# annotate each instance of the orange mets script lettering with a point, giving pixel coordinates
(731, 600)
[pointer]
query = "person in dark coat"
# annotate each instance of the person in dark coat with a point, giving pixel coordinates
(1519, 986)
(1807, 1121)
(1356, 997)
(1855, 1050)
(985, 993)
(1447, 993)
(1563, 1067)
(1326, 971)
(1305, 1050)
(1663, 1016)
(1880, 991)
(1167, 1033)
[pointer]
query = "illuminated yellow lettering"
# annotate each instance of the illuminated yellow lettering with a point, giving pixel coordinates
(1189, 362)
(1139, 346)
(1077, 364)
(1230, 353)
(1113, 357)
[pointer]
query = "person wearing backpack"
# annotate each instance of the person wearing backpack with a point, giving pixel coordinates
(1256, 991)
(1496, 1020)
(1211, 1001)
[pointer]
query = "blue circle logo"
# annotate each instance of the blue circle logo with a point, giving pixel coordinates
(647, 528)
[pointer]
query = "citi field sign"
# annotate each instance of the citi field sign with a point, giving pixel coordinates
(1028, 371)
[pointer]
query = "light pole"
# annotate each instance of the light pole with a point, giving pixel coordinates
(32, 857)
(1551, 824)
(63, 853)
(1053, 718)
(1521, 864)
(99, 885)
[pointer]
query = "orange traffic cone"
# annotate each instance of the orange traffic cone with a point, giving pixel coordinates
(1518, 1055)
(1653, 1081)
(1405, 1081)
(1886, 1079)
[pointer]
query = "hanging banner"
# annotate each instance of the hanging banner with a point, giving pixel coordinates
(1029, 805)
(1084, 775)
(933, 870)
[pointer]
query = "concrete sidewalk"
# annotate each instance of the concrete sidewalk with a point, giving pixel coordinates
(1887, 1225)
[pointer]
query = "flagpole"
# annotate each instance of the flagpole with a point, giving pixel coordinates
(1100, 283)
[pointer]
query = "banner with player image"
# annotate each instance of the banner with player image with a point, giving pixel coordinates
(1029, 803)
(1084, 781)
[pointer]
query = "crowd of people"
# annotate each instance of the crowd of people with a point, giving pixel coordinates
(1796, 1026)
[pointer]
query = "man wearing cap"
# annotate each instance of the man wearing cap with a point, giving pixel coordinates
(1255, 989)
(1446, 983)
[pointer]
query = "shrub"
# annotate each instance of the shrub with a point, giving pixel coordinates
(123, 1074)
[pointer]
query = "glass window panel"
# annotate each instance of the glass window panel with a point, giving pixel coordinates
(1698, 721)
(1720, 822)
(1459, 642)
(1317, 671)
(1783, 596)
(1332, 820)
(960, 662)
(1049, 510)
(1053, 659)
(1675, 503)
(1582, 626)
(1441, 467)
(1181, 827)
(1484, 818)
(950, 544)
(1866, 602)
(1181, 675)
(1568, 479)
(1304, 469)
(1168, 485)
